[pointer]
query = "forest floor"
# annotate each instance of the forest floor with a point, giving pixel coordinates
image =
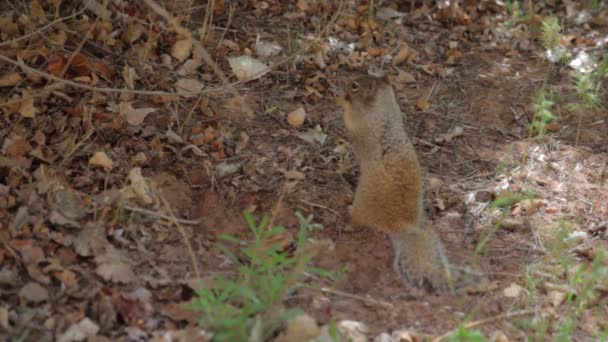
(107, 195)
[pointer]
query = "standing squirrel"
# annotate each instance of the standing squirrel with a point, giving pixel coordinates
(389, 191)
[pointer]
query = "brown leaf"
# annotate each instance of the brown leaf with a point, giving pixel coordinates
(26, 107)
(132, 33)
(181, 49)
(34, 293)
(423, 103)
(189, 85)
(113, 267)
(134, 116)
(101, 159)
(134, 306)
(10, 79)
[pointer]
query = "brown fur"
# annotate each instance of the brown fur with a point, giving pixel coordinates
(389, 191)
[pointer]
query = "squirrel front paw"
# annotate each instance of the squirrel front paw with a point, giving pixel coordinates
(420, 259)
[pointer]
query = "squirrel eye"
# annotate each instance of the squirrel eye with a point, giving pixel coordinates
(354, 86)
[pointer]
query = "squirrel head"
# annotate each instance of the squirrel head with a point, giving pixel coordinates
(361, 100)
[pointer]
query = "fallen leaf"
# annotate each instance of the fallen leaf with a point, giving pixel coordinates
(512, 291)
(267, 49)
(404, 54)
(181, 49)
(132, 33)
(113, 267)
(138, 187)
(189, 85)
(101, 159)
(423, 103)
(134, 306)
(34, 293)
(79, 331)
(556, 298)
(314, 135)
(26, 107)
(10, 79)
(242, 143)
(134, 116)
(247, 68)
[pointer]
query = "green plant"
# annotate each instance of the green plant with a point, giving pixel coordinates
(559, 271)
(542, 111)
(504, 203)
(514, 9)
(550, 37)
(248, 306)
(465, 335)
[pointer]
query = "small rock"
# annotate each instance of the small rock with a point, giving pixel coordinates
(296, 117)
(301, 328)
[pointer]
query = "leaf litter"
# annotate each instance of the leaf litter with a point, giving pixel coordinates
(89, 250)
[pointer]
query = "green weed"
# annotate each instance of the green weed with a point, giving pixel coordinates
(249, 306)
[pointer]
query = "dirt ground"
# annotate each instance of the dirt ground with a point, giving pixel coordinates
(467, 99)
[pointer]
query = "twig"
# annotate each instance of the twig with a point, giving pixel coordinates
(318, 206)
(353, 296)
(277, 206)
(159, 215)
(41, 29)
(197, 45)
(84, 39)
(487, 320)
(100, 89)
(184, 236)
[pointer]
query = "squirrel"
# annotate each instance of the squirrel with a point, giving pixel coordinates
(389, 191)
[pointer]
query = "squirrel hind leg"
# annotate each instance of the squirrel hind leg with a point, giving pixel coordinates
(420, 259)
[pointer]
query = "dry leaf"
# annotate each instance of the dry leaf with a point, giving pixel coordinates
(134, 116)
(132, 33)
(512, 291)
(296, 117)
(80, 331)
(26, 107)
(265, 49)
(181, 49)
(34, 293)
(405, 53)
(112, 267)
(423, 103)
(189, 85)
(242, 143)
(101, 159)
(10, 79)
(58, 38)
(247, 68)
(138, 188)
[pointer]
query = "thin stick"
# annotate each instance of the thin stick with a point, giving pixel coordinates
(8, 42)
(182, 231)
(318, 206)
(159, 215)
(353, 296)
(197, 45)
(84, 39)
(487, 320)
(99, 89)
